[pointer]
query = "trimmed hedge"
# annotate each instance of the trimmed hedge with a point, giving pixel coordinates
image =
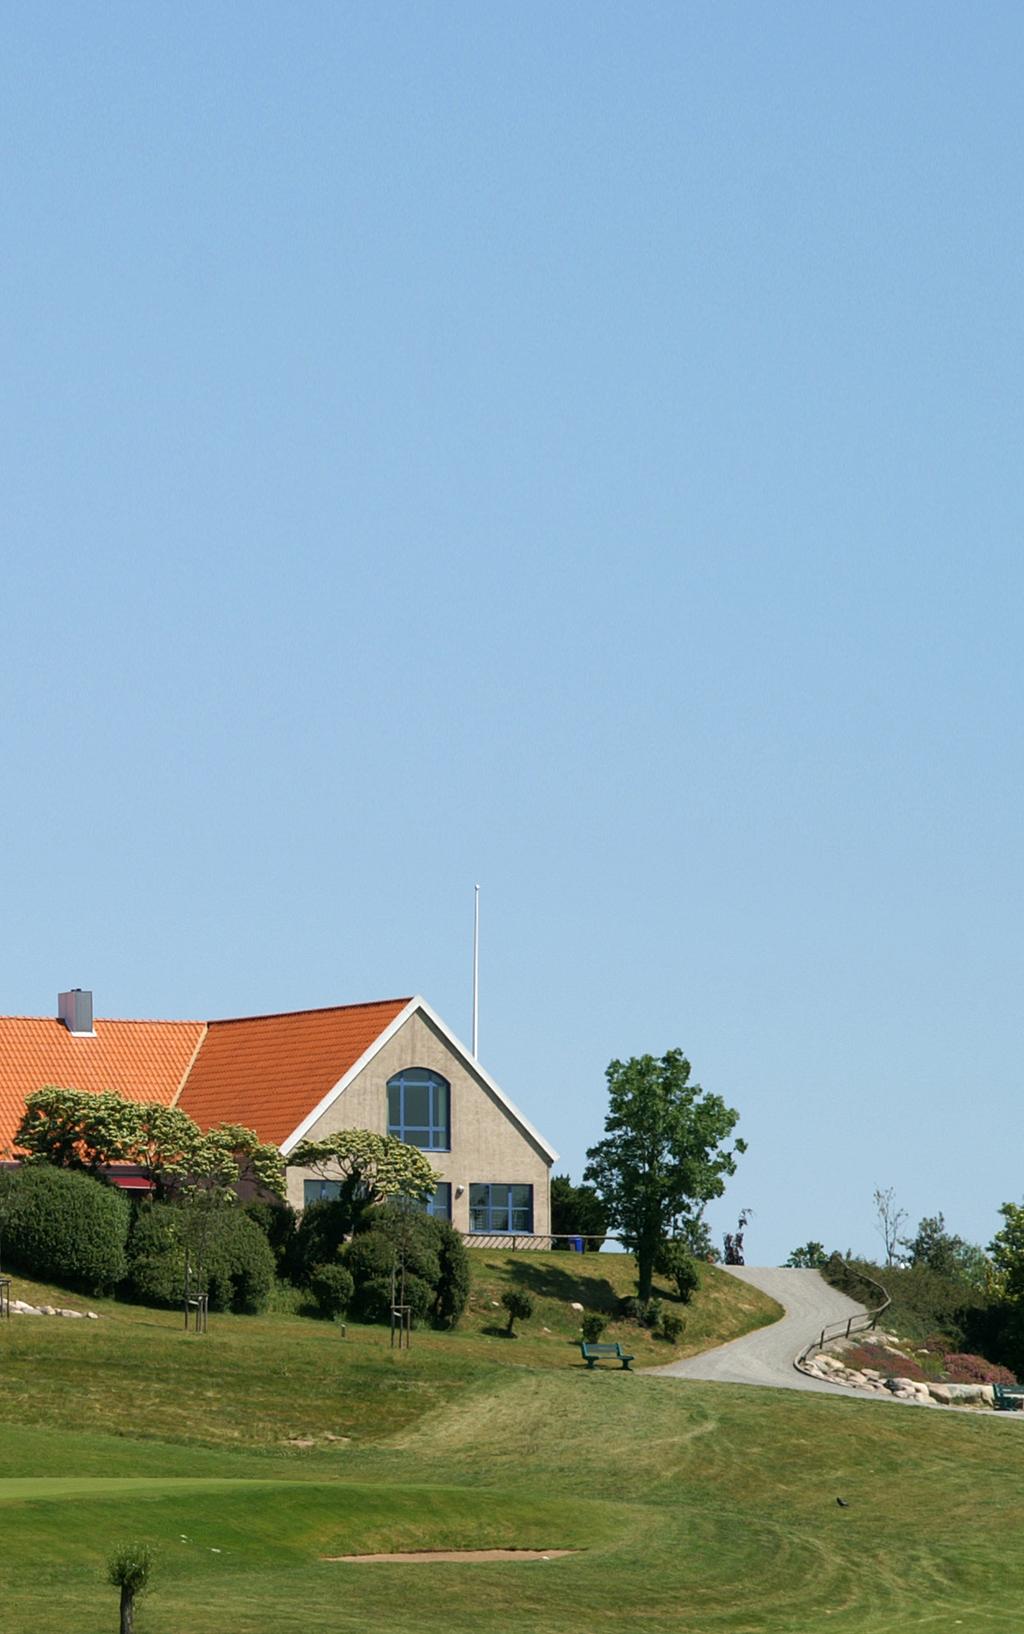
(239, 1260)
(277, 1221)
(66, 1227)
(436, 1265)
(318, 1237)
(331, 1287)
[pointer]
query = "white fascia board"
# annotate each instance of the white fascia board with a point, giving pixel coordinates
(414, 1004)
(485, 1077)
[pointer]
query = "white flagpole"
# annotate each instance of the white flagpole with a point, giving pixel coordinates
(476, 966)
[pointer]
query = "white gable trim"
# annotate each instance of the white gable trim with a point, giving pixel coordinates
(459, 1049)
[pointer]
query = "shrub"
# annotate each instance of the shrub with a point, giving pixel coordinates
(65, 1227)
(675, 1261)
(453, 1287)
(436, 1265)
(629, 1309)
(593, 1326)
(966, 1369)
(672, 1326)
(332, 1288)
(239, 1270)
(320, 1233)
(277, 1221)
(651, 1313)
(519, 1306)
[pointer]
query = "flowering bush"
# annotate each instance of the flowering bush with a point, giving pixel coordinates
(966, 1369)
(885, 1361)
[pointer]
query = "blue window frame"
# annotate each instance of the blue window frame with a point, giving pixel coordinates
(420, 1109)
(500, 1208)
(320, 1191)
(440, 1205)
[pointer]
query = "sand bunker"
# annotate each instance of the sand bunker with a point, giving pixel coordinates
(428, 1557)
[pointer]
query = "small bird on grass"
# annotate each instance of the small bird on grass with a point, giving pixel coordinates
(842, 1503)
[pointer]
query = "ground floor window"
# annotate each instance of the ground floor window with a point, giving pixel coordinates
(440, 1204)
(500, 1208)
(320, 1191)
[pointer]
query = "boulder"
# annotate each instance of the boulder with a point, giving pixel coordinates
(940, 1393)
(576, 1306)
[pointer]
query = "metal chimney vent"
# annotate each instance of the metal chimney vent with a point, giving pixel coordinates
(75, 1010)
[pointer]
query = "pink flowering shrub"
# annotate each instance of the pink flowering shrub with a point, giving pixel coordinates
(877, 1356)
(966, 1369)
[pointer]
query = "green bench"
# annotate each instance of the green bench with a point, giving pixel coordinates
(592, 1354)
(1008, 1398)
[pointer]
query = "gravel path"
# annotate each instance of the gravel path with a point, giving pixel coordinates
(766, 1356)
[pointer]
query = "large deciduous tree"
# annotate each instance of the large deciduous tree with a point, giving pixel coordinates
(80, 1129)
(372, 1168)
(664, 1155)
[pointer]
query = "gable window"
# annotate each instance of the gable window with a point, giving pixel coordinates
(500, 1208)
(419, 1109)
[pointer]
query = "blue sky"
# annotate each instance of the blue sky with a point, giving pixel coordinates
(572, 448)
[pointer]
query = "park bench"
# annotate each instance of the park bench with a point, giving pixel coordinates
(592, 1354)
(1008, 1398)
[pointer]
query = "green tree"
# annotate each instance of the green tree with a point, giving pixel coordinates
(129, 1569)
(663, 1156)
(1007, 1251)
(83, 1129)
(576, 1211)
(811, 1257)
(371, 1168)
(519, 1306)
(949, 1255)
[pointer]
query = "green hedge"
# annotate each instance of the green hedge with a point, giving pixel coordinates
(435, 1260)
(64, 1226)
(239, 1260)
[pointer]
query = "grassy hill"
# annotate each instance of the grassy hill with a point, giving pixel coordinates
(696, 1509)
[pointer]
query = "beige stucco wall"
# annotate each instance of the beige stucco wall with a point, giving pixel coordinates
(487, 1144)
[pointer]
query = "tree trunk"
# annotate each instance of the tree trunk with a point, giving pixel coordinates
(127, 1610)
(644, 1270)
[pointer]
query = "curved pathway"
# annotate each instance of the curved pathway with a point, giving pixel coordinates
(766, 1356)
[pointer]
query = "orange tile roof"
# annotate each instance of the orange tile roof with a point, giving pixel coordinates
(142, 1060)
(269, 1072)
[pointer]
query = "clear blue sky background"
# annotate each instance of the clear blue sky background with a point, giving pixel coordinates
(572, 447)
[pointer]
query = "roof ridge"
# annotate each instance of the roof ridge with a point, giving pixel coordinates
(119, 1021)
(314, 1010)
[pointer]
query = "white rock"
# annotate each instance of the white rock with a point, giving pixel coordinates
(940, 1393)
(575, 1305)
(92, 1316)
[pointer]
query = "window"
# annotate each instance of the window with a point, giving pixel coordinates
(440, 1205)
(500, 1208)
(419, 1109)
(320, 1191)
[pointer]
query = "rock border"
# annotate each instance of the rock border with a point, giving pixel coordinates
(19, 1307)
(818, 1363)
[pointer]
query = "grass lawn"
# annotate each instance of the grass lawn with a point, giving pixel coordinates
(695, 1508)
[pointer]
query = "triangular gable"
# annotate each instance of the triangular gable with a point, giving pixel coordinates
(473, 1066)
